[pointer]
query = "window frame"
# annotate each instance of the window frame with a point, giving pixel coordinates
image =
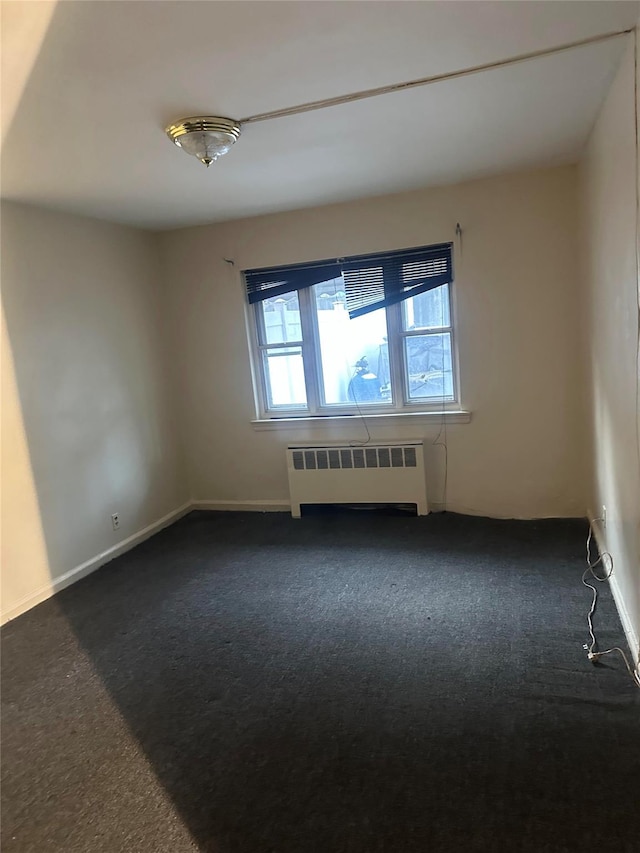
(260, 351)
(311, 360)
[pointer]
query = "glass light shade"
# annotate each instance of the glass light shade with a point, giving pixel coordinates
(206, 145)
(206, 137)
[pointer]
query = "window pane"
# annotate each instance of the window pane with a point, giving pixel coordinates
(281, 316)
(354, 354)
(429, 366)
(428, 310)
(284, 377)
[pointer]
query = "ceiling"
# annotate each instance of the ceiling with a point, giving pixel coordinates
(88, 87)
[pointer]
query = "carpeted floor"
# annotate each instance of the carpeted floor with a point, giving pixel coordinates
(246, 683)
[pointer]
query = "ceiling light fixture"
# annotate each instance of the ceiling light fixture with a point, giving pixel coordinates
(204, 137)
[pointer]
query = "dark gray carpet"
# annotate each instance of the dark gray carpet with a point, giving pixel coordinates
(246, 683)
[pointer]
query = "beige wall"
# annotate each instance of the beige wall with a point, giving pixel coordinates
(87, 416)
(609, 183)
(521, 371)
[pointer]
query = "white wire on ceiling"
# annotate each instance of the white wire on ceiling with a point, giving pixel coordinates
(426, 81)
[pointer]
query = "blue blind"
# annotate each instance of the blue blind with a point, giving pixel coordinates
(370, 281)
(374, 281)
(274, 281)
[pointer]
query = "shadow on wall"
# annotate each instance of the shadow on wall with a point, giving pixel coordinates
(89, 422)
(23, 540)
(24, 33)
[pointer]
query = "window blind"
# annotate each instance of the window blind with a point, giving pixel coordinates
(275, 281)
(370, 281)
(375, 281)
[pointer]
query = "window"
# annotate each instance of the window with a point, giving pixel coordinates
(372, 333)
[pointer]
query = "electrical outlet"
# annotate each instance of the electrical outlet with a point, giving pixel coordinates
(115, 520)
(604, 516)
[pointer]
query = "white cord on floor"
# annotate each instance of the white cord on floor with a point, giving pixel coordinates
(607, 561)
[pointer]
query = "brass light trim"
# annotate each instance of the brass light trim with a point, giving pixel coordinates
(226, 131)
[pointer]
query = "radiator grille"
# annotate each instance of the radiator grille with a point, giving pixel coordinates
(339, 473)
(354, 457)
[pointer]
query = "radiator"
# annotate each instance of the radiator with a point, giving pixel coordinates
(338, 473)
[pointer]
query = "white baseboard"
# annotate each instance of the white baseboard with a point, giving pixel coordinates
(262, 506)
(73, 575)
(629, 631)
(285, 506)
(243, 506)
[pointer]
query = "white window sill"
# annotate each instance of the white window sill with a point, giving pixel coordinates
(313, 422)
